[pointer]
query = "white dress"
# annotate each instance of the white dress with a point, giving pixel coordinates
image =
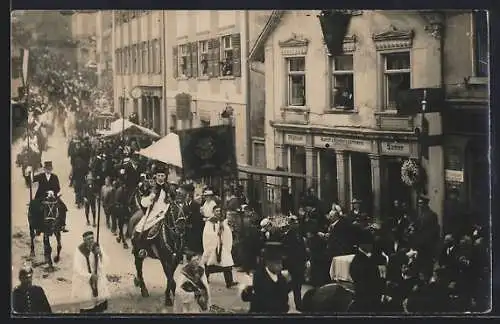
(81, 292)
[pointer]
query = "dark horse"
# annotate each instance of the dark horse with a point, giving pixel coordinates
(164, 242)
(44, 217)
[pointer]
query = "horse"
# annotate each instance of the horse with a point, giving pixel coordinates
(164, 242)
(44, 217)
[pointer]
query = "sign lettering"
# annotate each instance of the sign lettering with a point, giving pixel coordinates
(395, 148)
(454, 176)
(338, 143)
(294, 139)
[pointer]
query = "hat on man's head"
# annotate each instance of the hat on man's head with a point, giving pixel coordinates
(423, 199)
(87, 234)
(47, 164)
(160, 168)
(188, 187)
(356, 201)
(208, 192)
(273, 251)
(365, 237)
(26, 270)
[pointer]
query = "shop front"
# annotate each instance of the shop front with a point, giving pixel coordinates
(343, 167)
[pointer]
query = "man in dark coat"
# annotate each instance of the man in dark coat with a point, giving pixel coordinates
(364, 271)
(426, 236)
(194, 220)
(28, 298)
(270, 288)
(339, 238)
(90, 192)
(47, 181)
(296, 257)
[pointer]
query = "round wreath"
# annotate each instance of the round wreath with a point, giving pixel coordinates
(410, 173)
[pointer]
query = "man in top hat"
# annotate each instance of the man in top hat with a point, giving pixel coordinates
(89, 282)
(28, 298)
(47, 181)
(366, 276)
(268, 292)
(194, 220)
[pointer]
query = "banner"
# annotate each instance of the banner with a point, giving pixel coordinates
(208, 151)
(334, 25)
(26, 55)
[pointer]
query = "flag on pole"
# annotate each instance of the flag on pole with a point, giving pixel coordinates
(26, 54)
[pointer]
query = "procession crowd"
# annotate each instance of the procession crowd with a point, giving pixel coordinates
(401, 263)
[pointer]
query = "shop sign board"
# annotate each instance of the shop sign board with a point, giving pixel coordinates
(344, 144)
(295, 139)
(454, 175)
(395, 148)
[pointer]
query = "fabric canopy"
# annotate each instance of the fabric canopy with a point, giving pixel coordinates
(166, 150)
(119, 126)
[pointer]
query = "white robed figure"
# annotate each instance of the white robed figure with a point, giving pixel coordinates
(193, 292)
(90, 285)
(217, 242)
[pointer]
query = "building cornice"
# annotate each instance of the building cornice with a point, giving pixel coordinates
(393, 39)
(350, 132)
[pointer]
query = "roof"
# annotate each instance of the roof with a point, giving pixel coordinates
(257, 51)
(268, 172)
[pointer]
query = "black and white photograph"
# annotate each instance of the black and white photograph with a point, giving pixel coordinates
(263, 162)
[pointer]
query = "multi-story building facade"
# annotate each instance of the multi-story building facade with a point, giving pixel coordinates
(187, 68)
(84, 32)
(339, 119)
(138, 64)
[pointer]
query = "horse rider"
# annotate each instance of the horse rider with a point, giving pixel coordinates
(156, 202)
(48, 181)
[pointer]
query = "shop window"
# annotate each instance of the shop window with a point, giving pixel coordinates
(481, 43)
(203, 58)
(296, 81)
(397, 78)
(342, 95)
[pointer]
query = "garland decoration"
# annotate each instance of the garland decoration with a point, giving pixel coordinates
(410, 172)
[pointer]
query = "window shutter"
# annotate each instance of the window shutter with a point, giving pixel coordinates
(236, 41)
(214, 57)
(151, 58)
(210, 57)
(194, 59)
(175, 65)
(188, 59)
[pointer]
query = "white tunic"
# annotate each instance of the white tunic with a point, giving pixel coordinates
(207, 210)
(154, 213)
(81, 291)
(211, 243)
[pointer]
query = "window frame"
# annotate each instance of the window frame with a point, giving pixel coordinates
(144, 58)
(386, 73)
(289, 73)
(333, 74)
(476, 69)
(202, 52)
(181, 53)
(223, 51)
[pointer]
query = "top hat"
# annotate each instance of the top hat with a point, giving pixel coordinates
(47, 164)
(273, 251)
(160, 168)
(87, 234)
(188, 187)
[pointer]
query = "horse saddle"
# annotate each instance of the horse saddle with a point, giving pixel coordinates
(154, 231)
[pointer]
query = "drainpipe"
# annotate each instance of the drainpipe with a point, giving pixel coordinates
(248, 92)
(163, 56)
